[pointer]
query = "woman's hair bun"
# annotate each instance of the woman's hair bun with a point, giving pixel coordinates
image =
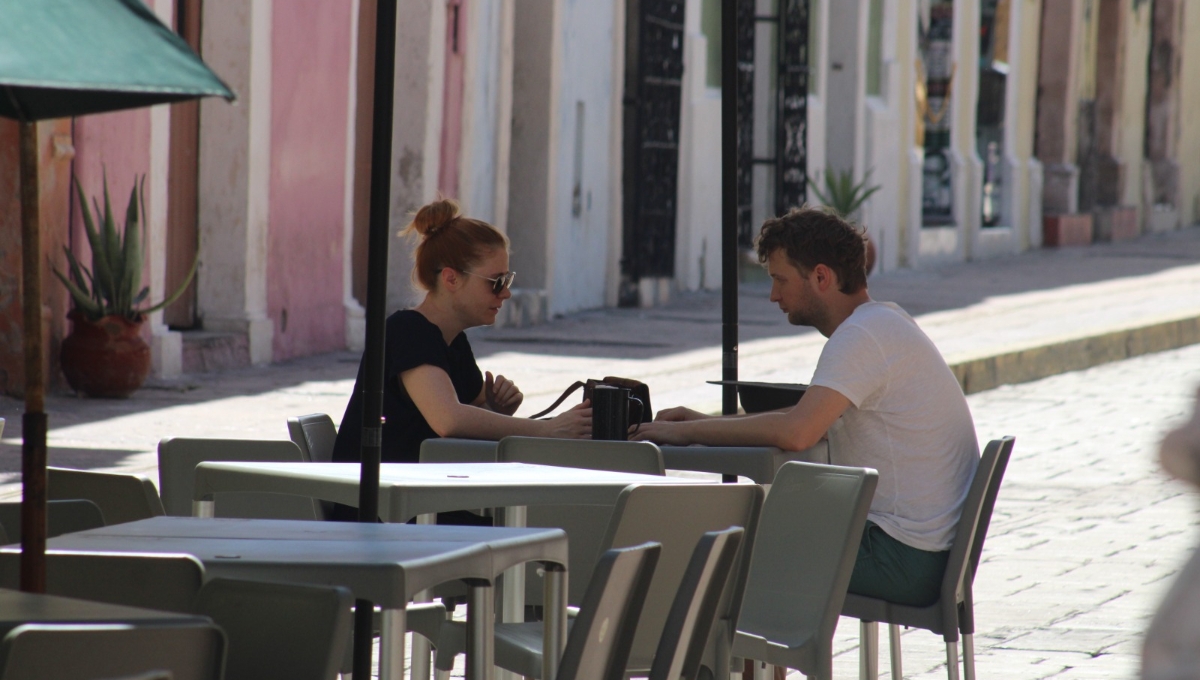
(433, 216)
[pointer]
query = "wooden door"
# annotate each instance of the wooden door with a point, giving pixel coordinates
(182, 178)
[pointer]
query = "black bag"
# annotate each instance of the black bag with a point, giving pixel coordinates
(637, 388)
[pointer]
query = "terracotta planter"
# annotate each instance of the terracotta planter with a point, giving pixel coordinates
(105, 358)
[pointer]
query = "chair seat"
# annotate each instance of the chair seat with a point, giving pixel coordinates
(866, 608)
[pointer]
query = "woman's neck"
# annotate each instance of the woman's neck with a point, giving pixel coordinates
(439, 312)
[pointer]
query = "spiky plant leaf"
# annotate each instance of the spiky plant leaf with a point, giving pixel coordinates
(178, 291)
(101, 272)
(81, 298)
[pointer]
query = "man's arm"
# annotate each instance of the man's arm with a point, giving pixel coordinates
(793, 430)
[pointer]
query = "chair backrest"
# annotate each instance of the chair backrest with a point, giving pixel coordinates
(972, 530)
(617, 456)
(177, 461)
(454, 450)
(315, 435)
(676, 516)
(153, 581)
(187, 651)
(585, 524)
(121, 497)
(803, 555)
(62, 517)
(695, 608)
(279, 630)
(600, 640)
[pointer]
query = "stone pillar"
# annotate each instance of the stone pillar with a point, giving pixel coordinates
(1058, 122)
(1161, 180)
(235, 175)
(166, 346)
(532, 147)
(416, 131)
(1121, 52)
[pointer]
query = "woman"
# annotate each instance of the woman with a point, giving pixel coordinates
(432, 386)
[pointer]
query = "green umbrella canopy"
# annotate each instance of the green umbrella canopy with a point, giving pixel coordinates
(61, 58)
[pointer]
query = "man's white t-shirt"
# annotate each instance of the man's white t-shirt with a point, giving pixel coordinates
(908, 420)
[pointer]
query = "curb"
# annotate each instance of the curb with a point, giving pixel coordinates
(1074, 354)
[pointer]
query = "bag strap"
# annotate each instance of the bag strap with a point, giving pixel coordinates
(561, 398)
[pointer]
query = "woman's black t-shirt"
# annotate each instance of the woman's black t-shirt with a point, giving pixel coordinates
(412, 341)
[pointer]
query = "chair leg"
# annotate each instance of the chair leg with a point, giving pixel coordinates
(952, 660)
(420, 664)
(894, 648)
(868, 650)
(969, 656)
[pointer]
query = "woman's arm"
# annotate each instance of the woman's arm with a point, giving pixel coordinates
(431, 390)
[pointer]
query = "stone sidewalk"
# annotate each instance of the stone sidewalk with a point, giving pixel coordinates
(1087, 533)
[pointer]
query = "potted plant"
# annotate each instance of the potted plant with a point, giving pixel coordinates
(105, 354)
(845, 197)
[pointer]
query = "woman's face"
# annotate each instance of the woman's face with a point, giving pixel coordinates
(476, 301)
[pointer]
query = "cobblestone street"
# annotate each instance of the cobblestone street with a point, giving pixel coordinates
(1088, 532)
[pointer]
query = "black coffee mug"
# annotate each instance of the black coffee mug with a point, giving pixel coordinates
(610, 412)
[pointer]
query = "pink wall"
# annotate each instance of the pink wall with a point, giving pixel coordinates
(310, 68)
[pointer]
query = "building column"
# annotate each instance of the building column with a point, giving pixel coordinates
(416, 132)
(234, 169)
(1058, 121)
(1161, 178)
(166, 346)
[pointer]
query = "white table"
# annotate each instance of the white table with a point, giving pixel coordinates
(408, 490)
(758, 463)
(384, 563)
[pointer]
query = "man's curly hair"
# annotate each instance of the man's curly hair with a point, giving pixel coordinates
(812, 236)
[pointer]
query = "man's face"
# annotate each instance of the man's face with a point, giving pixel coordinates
(793, 291)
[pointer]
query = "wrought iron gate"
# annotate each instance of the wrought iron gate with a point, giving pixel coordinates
(653, 85)
(790, 159)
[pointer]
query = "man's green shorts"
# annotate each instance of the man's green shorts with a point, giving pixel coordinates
(890, 570)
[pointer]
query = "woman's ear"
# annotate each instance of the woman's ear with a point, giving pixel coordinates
(449, 278)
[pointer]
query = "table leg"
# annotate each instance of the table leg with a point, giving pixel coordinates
(204, 509)
(512, 603)
(480, 631)
(554, 628)
(391, 644)
(420, 667)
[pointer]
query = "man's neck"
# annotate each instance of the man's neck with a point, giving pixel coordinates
(840, 309)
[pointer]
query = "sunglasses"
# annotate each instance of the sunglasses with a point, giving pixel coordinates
(500, 283)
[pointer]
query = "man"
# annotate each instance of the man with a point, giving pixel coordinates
(881, 394)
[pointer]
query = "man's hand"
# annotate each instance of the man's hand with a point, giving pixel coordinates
(501, 395)
(662, 432)
(679, 414)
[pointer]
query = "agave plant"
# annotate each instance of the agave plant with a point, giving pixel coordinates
(113, 285)
(841, 193)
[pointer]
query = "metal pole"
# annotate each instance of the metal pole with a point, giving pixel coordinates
(377, 259)
(34, 422)
(729, 205)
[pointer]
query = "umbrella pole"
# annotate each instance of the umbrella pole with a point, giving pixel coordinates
(377, 260)
(729, 206)
(729, 211)
(33, 423)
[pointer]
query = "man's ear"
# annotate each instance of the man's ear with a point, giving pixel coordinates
(826, 278)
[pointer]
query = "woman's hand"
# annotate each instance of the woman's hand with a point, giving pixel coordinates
(575, 423)
(501, 395)
(679, 414)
